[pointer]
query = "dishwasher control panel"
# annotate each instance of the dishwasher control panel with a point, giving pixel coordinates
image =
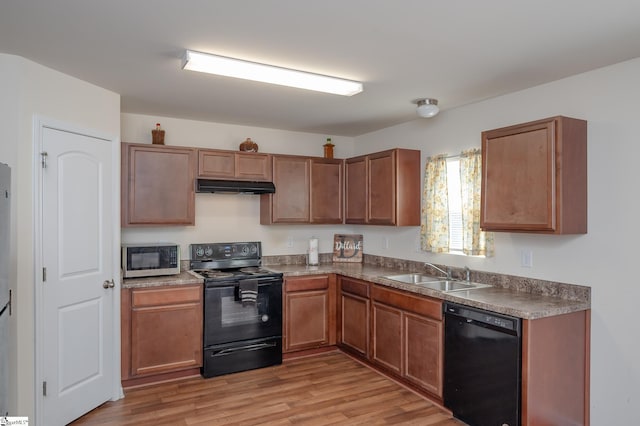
(479, 315)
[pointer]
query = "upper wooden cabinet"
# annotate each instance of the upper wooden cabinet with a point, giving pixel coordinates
(157, 185)
(219, 164)
(308, 190)
(383, 188)
(534, 177)
(326, 190)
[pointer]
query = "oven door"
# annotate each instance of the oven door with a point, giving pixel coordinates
(227, 319)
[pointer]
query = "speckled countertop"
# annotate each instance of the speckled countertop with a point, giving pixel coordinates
(183, 278)
(516, 296)
(520, 304)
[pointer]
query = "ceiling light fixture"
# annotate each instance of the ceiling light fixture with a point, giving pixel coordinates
(427, 107)
(230, 67)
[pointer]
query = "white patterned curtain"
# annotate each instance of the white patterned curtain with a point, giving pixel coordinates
(434, 227)
(475, 242)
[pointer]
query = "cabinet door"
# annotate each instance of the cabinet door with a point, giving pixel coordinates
(166, 330)
(356, 190)
(326, 191)
(423, 353)
(290, 203)
(253, 166)
(309, 312)
(355, 323)
(519, 178)
(158, 185)
(387, 337)
(382, 189)
(307, 319)
(216, 164)
(534, 177)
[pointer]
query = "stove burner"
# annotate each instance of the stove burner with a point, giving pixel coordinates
(213, 273)
(253, 270)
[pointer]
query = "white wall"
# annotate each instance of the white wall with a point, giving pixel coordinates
(603, 258)
(29, 89)
(229, 217)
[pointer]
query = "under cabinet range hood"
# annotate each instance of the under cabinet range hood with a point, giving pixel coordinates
(234, 186)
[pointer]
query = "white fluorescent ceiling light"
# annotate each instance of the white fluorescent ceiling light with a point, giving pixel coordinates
(229, 67)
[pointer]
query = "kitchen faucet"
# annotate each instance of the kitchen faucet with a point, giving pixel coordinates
(467, 273)
(447, 272)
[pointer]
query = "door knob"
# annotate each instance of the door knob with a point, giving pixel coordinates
(108, 284)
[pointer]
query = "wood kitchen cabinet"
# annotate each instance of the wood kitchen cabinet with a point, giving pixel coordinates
(534, 177)
(309, 312)
(161, 332)
(383, 188)
(157, 185)
(326, 190)
(219, 164)
(354, 316)
(555, 369)
(407, 337)
(308, 190)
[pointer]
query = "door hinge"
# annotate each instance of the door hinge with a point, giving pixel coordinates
(43, 156)
(44, 274)
(44, 388)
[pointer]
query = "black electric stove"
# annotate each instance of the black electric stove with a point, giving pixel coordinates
(242, 307)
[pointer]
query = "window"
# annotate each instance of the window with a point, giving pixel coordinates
(451, 206)
(454, 196)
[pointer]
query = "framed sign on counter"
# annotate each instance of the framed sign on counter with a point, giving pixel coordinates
(347, 248)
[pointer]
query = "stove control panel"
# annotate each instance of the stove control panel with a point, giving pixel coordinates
(226, 251)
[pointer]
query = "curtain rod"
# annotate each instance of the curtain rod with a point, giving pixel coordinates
(447, 156)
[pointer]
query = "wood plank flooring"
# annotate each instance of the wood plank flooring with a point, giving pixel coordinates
(326, 389)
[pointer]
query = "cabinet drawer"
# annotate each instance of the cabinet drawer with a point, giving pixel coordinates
(320, 282)
(422, 305)
(358, 288)
(165, 296)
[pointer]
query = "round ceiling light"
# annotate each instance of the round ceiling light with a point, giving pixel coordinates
(427, 107)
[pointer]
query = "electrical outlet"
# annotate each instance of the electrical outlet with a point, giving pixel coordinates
(526, 258)
(289, 242)
(385, 243)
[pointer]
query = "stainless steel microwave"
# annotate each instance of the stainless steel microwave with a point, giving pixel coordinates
(150, 260)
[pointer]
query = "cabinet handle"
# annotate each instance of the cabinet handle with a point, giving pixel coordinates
(108, 284)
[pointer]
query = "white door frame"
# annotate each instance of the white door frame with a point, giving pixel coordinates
(40, 123)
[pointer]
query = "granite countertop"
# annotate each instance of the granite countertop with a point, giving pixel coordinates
(497, 299)
(183, 278)
(509, 301)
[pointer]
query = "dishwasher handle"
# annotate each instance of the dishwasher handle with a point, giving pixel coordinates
(500, 322)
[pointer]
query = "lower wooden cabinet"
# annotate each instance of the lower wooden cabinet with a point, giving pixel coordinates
(161, 330)
(407, 337)
(387, 337)
(309, 312)
(423, 354)
(556, 369)
(354, 316)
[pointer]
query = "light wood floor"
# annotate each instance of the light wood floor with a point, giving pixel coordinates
(327, 389)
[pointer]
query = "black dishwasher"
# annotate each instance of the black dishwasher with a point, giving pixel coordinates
(482, 366)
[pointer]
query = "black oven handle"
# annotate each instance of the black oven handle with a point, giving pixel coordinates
(247, 348)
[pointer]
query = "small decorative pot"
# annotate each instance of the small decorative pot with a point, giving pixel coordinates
(249, 146)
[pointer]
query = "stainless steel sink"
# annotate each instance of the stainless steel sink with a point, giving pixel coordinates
(452, 285)
(416, 278)
(436, 283)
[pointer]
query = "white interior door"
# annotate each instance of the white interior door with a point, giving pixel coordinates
(77, 309)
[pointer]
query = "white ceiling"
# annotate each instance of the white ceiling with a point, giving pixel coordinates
(456, 51)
